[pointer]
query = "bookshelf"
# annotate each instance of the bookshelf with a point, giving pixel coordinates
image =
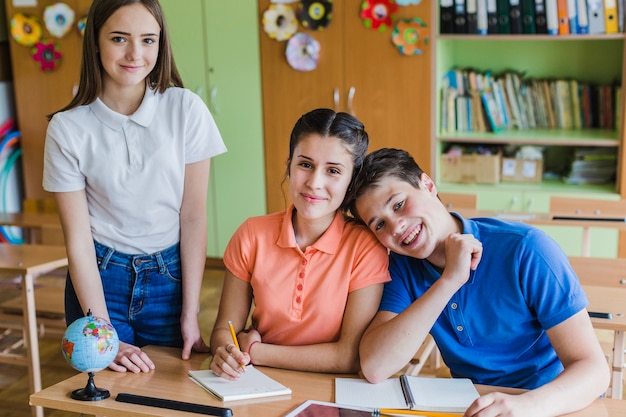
(597, 58)
(590, 58)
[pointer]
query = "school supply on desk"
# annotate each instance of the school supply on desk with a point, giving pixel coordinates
(325, 409)
(444, 395)
(174, 405)
(600, 315)
(251, 384)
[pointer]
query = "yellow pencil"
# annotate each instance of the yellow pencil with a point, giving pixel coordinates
(235, 341)
(390, 411)
(233, 334)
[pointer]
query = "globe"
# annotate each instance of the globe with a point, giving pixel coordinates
(89, 345)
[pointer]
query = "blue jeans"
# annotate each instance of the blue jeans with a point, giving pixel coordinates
(143, 294)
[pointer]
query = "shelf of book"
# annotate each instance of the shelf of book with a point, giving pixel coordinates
(541, 137)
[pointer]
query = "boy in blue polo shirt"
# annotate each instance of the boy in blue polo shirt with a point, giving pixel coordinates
(500, 299)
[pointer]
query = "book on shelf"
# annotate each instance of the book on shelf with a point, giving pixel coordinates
(528, 17)
(572, 17)
(492, 17)
(460, 17)
(595, 14)
(552, 17)
(592, 166)
(482, 24)
(563, 15)
(583, 19)
(471, 16)
(252, 384)
(504, 24)
(446, 16)
(515, 17)
(541, 24)
(408, 393)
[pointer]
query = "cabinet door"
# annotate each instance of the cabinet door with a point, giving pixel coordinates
(39, 93)
(227, 77)
(391, 90)
(287, 94)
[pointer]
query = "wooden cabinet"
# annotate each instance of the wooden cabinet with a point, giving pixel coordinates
(38, 93)
(390, 90)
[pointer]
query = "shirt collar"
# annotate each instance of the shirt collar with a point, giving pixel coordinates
(142, 116)
(329, 242)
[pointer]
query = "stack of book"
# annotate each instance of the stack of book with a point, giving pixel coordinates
(592, 166)
(473, 101)
(553, 17)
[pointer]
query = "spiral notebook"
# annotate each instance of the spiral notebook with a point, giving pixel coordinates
(453, 395)
(252, 384)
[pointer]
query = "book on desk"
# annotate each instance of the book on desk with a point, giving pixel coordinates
(408, 392)
(252, 384)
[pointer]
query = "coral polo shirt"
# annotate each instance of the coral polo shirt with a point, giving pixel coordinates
(300, 297)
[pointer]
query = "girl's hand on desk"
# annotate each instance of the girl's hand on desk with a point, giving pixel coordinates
(500, 404)
(131, 358)
(229, 362)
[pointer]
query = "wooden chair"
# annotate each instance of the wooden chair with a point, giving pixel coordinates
(604, 272)
(587, 208)
(428, 351)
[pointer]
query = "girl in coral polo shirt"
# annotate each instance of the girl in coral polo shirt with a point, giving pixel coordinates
(314, 276)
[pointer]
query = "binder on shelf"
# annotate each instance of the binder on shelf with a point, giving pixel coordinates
(541, 23)
(595, 9)
(620, 15)
(552, 17)
(446, 16)
(610, 16)
(482, 25)
(471, 15)
(572, 17)
(563, 15)
(460, 18)
(504, 25)
(492, 17)
(528, 17)
(583, 20)
(515, 16)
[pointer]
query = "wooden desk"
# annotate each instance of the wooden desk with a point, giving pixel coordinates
(35, 225)
(611, 300)
(170, 381)
(29, 262)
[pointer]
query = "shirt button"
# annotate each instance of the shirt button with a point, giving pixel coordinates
(298, 300)
(301, 275)
(304, 262)
(453, 306)
(459, 328)
(300, 287)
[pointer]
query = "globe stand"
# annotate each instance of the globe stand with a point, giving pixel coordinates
(90, 392)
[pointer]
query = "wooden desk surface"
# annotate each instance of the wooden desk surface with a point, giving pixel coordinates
(539, 218)
(170, 381)
(29, 219)
(31, 259)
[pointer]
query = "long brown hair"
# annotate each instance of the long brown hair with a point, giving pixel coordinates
(164, 75)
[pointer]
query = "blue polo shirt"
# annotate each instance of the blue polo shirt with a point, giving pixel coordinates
(493, 329)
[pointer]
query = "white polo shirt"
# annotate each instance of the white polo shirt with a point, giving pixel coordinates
(132, 167)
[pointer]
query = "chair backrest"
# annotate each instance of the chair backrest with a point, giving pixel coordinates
(454, 201)
(604, 272)
(587, 207)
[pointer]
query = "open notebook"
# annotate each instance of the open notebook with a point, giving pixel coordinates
(252, 384)
(408, 392)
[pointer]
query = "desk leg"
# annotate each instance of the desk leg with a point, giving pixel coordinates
(618, 365)
(586, 251)
(32, 341)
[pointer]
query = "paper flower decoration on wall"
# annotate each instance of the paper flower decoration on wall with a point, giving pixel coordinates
(47, 54)
(378, 14)
(279, 21)
(302, 52)
(410, 35)
(315, 14)
(26, 30)
(80, 25)
(59, 18)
